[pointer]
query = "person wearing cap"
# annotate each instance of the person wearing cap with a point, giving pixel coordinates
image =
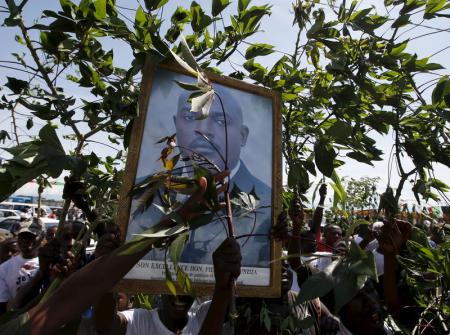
(206, 137)
(19, 269)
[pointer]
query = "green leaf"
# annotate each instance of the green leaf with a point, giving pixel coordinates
(169, 282)
(154, 4)
(201, 220)
(434, 6)
(140, 18)
(184, 282)
(48, 135)
(298, 176)
(4, 135)
(360, 157)
(100, 9)
(176, 248)
(339, 130)
(411, 5)
(167, 232)
(359, 14)
(243, 4)
(259, 49)
(398, 49)
(188, 86)
(29, 123)
(218, 6)
(250, 18)
(52, 41)
(315, 286)
(438, 91)
(137, 244)
(199, 19)
(339, 191)
(324, 156)
(16, 85)
(317, 26)
(401, 21)
(181, 15)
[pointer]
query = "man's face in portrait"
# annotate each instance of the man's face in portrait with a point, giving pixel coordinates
(189, 131)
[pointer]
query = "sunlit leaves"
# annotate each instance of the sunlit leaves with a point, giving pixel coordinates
(298, 177)
(324, 155)
(442, 91)
(154, 4)
(218, 6)
(401, 21)
(259, 49)
(199, 19)
(340, 196)
(31, 159)
(434, 6)
(398, 49)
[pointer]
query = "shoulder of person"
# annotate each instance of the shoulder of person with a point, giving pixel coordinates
(5, 266)
(132, 314)
(202, 310)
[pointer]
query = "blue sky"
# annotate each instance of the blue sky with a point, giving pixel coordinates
(276, 30)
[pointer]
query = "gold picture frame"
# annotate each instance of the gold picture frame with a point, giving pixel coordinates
(136, 154)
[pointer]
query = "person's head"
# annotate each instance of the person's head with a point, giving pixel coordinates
(332, 234)
(28, 243)
(51, 233)
(363, 230)
(8, 248)
(286, 277)
(376, 228)
(364, 313)
(69, 235)
(123, 301)
(190, 131)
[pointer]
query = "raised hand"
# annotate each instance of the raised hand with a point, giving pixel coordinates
(227, 264)
(393, 237)
(281, 230)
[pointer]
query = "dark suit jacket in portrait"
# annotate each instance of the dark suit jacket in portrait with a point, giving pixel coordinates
(204, 240)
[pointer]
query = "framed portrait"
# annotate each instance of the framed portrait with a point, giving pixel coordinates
(254, 160)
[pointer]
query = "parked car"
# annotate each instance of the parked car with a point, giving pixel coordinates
(56, 211)
(10, 224)
(30, 209)
(9, 213)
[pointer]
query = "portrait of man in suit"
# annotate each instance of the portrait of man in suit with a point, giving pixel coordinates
(206, 137)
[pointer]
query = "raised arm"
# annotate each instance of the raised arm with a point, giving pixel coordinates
(87, 285)
(296, 215)
(393, 238)
(318, 213)
(106, 317)
(227, 266)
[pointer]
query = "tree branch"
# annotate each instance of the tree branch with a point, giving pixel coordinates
(44, 73)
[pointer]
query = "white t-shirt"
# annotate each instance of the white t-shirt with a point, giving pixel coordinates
(144, 321)
(319, 259)
(372, 245)
(379, 262)
(14, 273)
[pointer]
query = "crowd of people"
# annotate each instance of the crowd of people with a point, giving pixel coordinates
(85, 302)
